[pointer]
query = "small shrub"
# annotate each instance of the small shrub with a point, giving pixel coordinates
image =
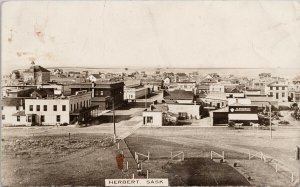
(231, 124)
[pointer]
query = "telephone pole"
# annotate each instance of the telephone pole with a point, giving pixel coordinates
(113, 107)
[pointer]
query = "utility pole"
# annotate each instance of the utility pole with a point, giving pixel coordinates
(270, 120)
(146, 98)
(113, 107)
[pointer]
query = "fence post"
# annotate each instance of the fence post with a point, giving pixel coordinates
(182, 155)
(210, 154)
(127, 165)
(148, 155)
(261, 155)
(133, 176)
(249, 155)
(292, 176)
(118, 146)
(171, 156)
(147, 174)
(276, 168)
(223, 155)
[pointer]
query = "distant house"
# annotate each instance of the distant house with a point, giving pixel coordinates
(42, 93)
(94, 77)
(36, 75)
(208, 79)
(131, 93)
(57, 71)
(15, 75)
(74, 74)
(153, 84)
(178, 96)
(216, 88)
(264, 75)
(234, 92)
(12, 111)
(167, 81)
(158, 115)
(278, 90)
(186, 85)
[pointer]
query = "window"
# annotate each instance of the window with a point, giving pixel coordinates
(37, 107)
(63, 107)
(18, 118)
(77, 106)
(42, 118)
(45, 107)
(17, 107)
(271, 93)
(277, 88)
(283, 88)
(3, 117)
(29, 118)
(101, 92)
(54, 107)
(271, 88)
(1, 107)
(277, 95)
(283, 94)
(149, 119)
(30, 107)
(57, 118)
(71, 107)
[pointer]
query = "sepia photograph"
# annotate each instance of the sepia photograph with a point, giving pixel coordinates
(150, 93)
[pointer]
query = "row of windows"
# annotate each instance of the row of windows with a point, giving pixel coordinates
(77, 106)
(45, 108)
(277, 94)
(277, 88)
(30, 118)
(43, 118)
(18, 117)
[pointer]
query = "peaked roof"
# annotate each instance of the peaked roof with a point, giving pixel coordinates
(208, 79)
(38, 69)
(97, 76)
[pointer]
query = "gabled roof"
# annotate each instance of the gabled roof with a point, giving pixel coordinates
(178, 95)
(232, 90)
(42, 92)
(38, 69)
(97, 76)
(208, 80)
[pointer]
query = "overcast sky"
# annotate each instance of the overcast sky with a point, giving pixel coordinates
(151, 33)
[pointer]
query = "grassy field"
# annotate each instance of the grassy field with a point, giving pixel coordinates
(45, 156)
(197, 143)
(85, 159)
(192, 171)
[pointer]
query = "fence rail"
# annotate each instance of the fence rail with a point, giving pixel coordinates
(212, 153)
(276, 164)
(181, 153)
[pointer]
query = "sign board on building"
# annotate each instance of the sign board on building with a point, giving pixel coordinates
(243, 109)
